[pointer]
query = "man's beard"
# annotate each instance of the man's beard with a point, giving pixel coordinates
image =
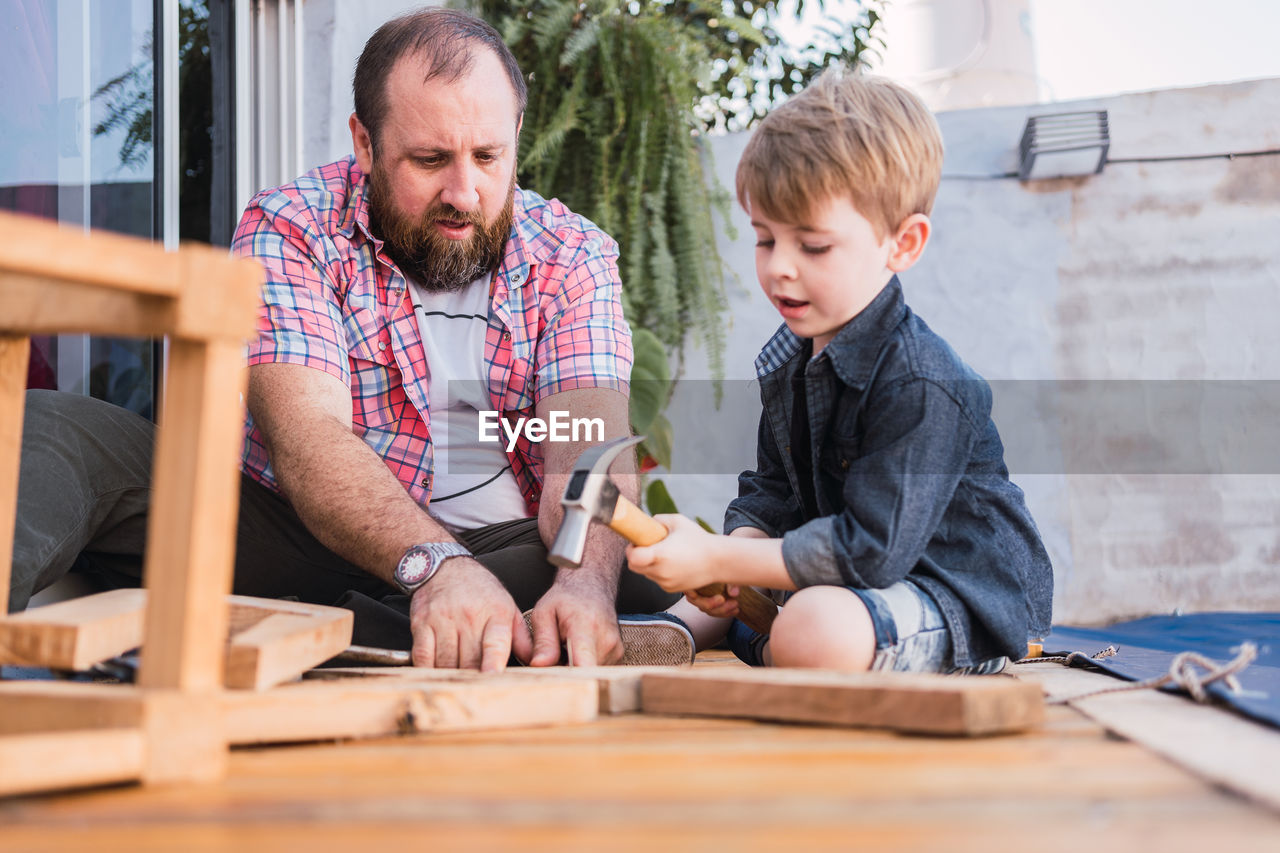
(423, 253)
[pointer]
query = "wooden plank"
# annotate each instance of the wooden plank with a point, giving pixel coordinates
(78, 633)
(39, 247)
(74, 634)
(29, 707)
(14, 354)
(926, 704)
(35, 305)
(284, 645)
(47, 762)
(618, 687)
(1211, 742)
(247, 610)
(358, 708)
(220, 295)
(184, 736)
(191, 531)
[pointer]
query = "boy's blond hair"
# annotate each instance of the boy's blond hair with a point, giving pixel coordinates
(847, 135)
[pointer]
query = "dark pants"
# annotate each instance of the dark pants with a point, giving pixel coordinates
(83, 490)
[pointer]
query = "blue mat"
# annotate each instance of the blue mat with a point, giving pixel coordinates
(1148, 646)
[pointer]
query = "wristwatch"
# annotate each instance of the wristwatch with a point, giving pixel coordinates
(420, 562)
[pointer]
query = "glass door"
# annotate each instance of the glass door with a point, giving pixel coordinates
(81, 142)
(76, 146)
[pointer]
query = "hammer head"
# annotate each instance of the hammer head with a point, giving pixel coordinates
(590, 494)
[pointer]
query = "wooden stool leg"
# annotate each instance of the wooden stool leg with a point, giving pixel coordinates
(186, 624)
(14, 354)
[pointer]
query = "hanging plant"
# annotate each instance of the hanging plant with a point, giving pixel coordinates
(611, 131)
(621, 96)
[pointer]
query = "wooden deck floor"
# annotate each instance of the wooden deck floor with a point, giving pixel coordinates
(642, 782)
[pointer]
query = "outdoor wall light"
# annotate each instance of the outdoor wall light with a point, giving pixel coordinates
(1063, 145)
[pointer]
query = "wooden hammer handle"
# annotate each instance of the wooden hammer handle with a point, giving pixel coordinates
(755, 609)
(635, 525)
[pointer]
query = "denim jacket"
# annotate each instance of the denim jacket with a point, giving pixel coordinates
(909, 478)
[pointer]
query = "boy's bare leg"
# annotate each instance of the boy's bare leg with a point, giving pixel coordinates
(823, 627)
(707, 630)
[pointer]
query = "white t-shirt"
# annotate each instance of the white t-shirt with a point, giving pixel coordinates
(473, 484)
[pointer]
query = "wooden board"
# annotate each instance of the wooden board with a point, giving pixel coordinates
(74, 634)
(69, 759)
(191, 533)
(70, 735)
(289, 639)
(270, 641)
(37, 247)
(14, 354)
(39, 306)
(1211, 742)
(372, 707)
(28, 707)
(618, 687)
(181, 736)
(926, 704)
(184, 736)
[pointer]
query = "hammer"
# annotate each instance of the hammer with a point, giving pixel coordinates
(591, 495)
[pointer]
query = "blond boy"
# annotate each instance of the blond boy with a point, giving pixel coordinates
(881, 504)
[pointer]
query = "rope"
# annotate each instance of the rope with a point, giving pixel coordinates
(1182, 672)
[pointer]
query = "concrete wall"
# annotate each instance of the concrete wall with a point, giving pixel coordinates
(1149, 271)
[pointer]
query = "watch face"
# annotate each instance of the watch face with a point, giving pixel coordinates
(414, 568)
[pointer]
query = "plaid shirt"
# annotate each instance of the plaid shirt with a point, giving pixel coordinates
(334, 302)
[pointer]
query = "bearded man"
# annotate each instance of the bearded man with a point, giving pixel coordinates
(409, 288)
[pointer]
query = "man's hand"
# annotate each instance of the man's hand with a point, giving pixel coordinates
(685, 560)
(579, 613)
(464, 618)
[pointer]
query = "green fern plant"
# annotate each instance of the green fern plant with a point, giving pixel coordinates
(610, 130)
(621, 95)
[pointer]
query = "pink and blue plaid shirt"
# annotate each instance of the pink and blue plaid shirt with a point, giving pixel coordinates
(334, 302)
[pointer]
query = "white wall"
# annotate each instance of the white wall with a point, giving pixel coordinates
(1149, 271)
(336, 31)
(961, 53)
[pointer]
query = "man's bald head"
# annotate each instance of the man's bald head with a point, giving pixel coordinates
(444, 41)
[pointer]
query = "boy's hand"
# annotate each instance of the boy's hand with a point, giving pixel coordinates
(684, 560)
(722, 606)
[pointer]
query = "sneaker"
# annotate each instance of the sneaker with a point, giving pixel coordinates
(655, 639)
(648, 639)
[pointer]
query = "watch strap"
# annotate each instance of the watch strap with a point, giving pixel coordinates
(420, 563)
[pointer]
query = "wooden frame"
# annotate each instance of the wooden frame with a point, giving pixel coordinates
(177, 722)
(52, 280)
(57, 280)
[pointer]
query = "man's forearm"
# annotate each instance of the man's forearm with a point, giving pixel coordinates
(348, 498)
(602, 558)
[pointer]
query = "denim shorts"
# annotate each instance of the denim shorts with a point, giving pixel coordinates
(911, 635)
